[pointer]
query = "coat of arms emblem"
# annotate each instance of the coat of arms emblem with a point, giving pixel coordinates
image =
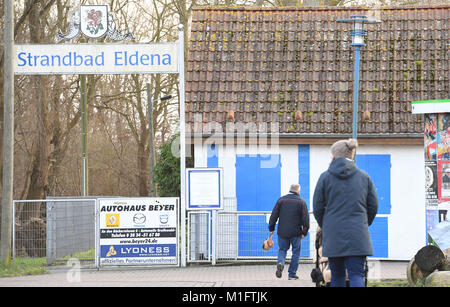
(94, 21)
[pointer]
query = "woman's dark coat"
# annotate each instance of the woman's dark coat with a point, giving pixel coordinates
(345, 204)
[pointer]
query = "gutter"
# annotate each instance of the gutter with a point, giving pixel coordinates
(305, 135)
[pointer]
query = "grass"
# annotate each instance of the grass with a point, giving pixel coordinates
(22, 268)
(36, 266)
(388, 283)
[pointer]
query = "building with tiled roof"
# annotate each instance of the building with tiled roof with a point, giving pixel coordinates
(284, 76)
(294, 66)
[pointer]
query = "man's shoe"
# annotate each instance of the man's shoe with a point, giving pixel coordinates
(279, 271)
(293, 278)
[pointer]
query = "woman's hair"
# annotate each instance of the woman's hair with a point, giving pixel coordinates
(344, 148)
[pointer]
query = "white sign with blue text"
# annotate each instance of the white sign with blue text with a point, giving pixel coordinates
(204, 188)
(33, 59)
(138, 231)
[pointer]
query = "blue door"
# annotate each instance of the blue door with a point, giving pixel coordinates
(379, 169)
(257, 189)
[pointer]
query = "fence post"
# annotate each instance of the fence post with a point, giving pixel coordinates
(51, 239)
(97, 234)
(213, 236)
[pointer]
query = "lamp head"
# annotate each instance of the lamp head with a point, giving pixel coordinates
(358, 31)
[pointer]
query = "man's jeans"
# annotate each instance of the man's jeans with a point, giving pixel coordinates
(284, 244)
(355, 269)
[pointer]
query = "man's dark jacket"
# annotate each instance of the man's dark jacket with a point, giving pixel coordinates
(345, 204)
(292, 213)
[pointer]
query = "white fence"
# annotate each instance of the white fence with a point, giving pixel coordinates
(52, 231)
(231, 235)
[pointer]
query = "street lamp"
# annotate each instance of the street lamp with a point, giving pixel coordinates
(357, 34)
(150, 131)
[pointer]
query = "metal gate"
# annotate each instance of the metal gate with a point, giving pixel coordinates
(52, 231)
(232, 235)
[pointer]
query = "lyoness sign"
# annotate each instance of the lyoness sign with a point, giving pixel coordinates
(94, 22)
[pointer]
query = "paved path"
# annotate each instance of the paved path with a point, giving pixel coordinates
(221, 275)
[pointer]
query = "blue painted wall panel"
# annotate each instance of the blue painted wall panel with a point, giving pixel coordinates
(379, 235)
(304, 181)
(246, 183)
(212, 160)
(213, 156)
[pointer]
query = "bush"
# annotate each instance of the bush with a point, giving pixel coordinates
(167, 171)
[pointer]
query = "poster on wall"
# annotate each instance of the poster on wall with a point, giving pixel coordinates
(138, 231)
(443, 137)
(437, 164)
(443, 180)
(432, 218)
(431, 184)
(430, 137)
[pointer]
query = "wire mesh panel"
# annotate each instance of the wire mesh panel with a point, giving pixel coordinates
(30, 235)
(199, 236)
(253, 230)
(236, 235)
(226, 236)
(54, 230)
(242, 234)
(226, 231)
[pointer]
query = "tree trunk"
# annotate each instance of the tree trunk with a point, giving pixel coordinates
(142, 169)
(430, 258)
(40, 148)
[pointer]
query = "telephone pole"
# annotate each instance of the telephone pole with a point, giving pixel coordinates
(8, 135)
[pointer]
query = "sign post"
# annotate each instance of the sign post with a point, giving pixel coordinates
(182, 143)
(94, 21)
(8, 136)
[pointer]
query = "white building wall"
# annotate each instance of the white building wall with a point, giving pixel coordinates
(406, 223)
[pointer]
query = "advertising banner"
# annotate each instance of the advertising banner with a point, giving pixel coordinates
(138, 231)
(437, 168)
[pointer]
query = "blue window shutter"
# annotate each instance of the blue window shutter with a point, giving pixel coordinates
(257, 189)
(379, 169)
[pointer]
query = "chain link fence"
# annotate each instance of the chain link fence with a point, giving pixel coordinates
(51, 231)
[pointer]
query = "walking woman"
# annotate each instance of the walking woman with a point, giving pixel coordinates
(345, 204)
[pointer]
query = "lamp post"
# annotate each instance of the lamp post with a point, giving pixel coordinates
(357, 34)
(150, 131)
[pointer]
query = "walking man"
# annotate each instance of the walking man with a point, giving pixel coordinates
(345, 203)
(293, 224)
